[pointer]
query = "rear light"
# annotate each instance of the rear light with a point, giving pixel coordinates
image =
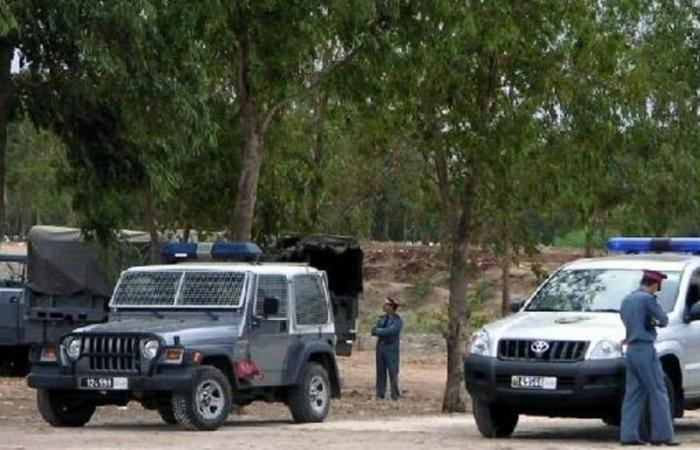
(48, 354)
(173, 356)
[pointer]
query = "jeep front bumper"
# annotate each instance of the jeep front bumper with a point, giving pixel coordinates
(588, 388)
(166, 380)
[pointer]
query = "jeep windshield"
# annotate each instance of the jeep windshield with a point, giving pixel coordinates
(179, 289)
(597, 290)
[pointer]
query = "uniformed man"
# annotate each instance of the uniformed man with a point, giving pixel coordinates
(388, 331)
(641, 314)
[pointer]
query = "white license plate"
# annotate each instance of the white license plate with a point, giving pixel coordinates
(530, 382)
(104, 383)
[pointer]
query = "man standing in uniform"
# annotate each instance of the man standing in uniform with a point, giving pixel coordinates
(641, 313)
(388, 331)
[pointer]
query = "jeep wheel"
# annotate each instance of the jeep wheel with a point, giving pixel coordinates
(207, 406)
(494, 420)
(310, 400)
(165, 409)
(64, 408)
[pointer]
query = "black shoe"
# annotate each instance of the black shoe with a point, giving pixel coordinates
(672, 443)
(639, 442)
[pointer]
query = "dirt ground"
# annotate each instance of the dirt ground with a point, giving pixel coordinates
(356, 422)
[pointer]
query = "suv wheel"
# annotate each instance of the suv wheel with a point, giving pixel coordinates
(310, 400)
(494, 420)
(64, 408)
(207, 405)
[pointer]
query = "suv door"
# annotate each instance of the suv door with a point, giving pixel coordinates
(10, 299)
(269, 337)
(691, 338)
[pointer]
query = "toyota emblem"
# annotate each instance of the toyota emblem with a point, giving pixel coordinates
(539, 347)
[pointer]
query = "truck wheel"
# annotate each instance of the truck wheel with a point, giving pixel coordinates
(64, 409)
(165, 409)
(645, 422)
(494, 420)
(310, 400)
(207, 406)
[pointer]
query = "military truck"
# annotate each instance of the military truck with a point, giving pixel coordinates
(68, 284)
(192, 339)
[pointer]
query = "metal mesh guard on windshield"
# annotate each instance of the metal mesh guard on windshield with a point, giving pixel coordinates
(161, 289)
(211, 289)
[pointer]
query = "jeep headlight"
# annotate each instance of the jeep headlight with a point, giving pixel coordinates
(150, 348)
(73, 346)
(606, 350)
(480, 343)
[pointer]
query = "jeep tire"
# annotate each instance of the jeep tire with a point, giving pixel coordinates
(165, 409)
(494, 420)
(310, 399)
(64, 408)
(207, 406)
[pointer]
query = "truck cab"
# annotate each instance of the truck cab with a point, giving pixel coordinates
(562, 353)
(192, 339)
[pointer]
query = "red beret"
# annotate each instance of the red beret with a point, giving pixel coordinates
(654, 276)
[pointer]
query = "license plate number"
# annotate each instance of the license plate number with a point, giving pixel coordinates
(104, 383)
(530, 382)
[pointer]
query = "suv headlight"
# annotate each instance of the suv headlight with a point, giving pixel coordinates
(150, 348)
(606, 350)
(73, 346)
(480, 343)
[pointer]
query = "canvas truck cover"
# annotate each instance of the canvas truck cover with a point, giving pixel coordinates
(61, 262)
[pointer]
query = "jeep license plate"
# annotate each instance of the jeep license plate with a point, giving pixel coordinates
(530, 382)
(104, 383)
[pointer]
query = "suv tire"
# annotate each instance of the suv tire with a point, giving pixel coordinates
(165, 409)
(494, 420)
(310, 399)
(64, 409)
(207, 406)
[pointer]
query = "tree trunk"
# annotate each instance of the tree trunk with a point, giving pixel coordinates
(317, 156)
(154, 250)
(457, 314)
(505, 281)
(6, 53)
(253, 147)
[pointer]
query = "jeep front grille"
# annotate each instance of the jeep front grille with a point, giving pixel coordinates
(560, 351)
(112, 353)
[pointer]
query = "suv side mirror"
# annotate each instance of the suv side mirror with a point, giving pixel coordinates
(517, 305)
(694, 313)
(271, 307)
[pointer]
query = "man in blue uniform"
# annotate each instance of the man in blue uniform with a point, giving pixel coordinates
(641, 314)
(388, 331)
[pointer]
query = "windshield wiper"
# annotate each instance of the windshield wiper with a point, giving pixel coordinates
(157, 314)
(212, 315)
(604, 310)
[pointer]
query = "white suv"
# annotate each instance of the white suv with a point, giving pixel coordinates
(561, 355)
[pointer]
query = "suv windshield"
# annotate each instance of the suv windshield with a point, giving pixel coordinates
(597, 290)
(196, 289)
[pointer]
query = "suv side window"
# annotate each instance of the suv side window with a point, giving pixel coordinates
(693, 294)
(274, 286)
(310, 302)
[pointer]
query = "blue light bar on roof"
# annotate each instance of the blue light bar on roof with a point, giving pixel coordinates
(648, 244)
(236, 251)
(179, 251)
(229, 251)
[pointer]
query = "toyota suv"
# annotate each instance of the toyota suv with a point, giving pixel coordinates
(562, 353)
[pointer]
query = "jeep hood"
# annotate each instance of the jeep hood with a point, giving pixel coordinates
(569, 326)
(191, 331)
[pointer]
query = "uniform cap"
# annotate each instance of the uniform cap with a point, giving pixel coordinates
(654, 276)
(392, 302)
